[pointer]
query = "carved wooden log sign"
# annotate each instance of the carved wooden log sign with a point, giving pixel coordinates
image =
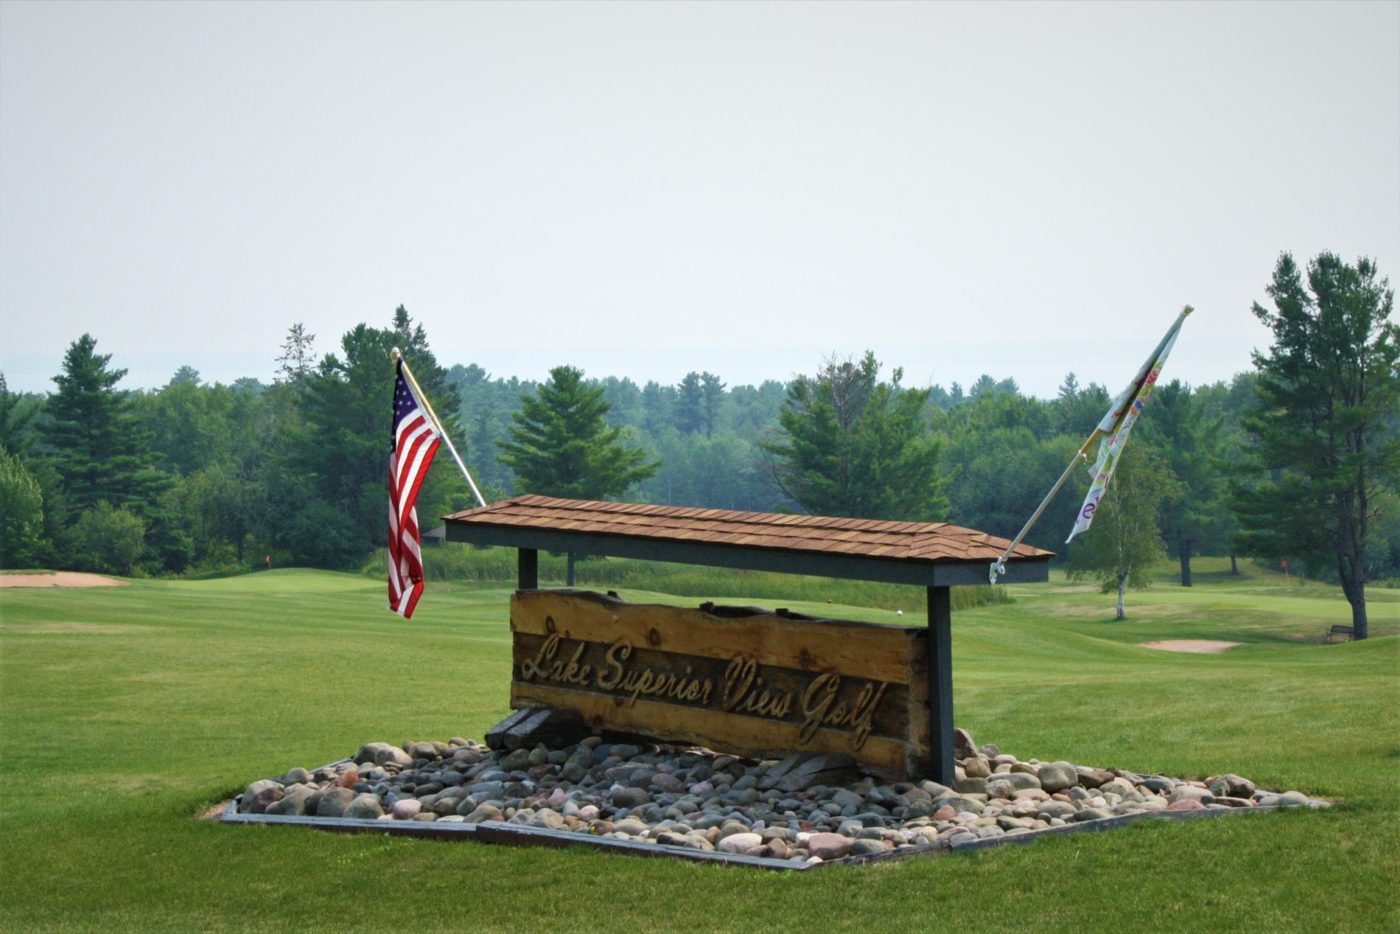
(737, 679)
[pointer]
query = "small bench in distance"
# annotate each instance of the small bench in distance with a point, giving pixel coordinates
(1347, 631)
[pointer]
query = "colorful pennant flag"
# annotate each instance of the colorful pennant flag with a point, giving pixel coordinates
(415, 441)
(1118, 422)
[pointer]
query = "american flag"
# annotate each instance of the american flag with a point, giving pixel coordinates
(415, 441)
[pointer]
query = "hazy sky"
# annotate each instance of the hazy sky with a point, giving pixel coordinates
(645, 189)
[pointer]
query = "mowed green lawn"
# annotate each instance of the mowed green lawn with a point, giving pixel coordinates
(125, 712)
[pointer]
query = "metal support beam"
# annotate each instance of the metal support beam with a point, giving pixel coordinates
(527, 569)
(940, 673)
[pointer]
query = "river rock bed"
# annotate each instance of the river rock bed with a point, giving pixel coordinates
(698, 799)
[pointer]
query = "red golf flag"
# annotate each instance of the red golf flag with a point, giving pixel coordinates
(415, 441)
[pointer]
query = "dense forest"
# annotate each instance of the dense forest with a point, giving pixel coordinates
(200, 478)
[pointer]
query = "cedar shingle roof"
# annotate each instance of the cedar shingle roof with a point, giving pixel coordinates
(513, 521)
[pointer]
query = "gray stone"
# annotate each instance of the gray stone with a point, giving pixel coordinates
(393, 755)
(868, 847)
(739, 843)
(260, 795)
(920, 808)
(976, 767)
(630, 797)
(1190, 793)
(544, 817)
(667, 783)
(1021, 781)
(364, 807)
(829, 845)
(998, 788)
(1057, 776)
(631, 826)
(1007, 822)
(293, 803)
(1049, 809)
(405, 808)
(479, 814)
(367, 753)
(1230, 786)
(1090, 814)
(421, 750)
(516, 761)
(1119, 786)
(961, 803)
(844, 798)
(776, 849)
(334, 801)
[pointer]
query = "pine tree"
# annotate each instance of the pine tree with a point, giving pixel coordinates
(1325, 422)
(99, 446)
(690, 404)
(712, 389)
(298, 356)
(853, 445)
(561, 444)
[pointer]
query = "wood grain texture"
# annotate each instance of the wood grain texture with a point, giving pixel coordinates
(859, 649)
(738, 679)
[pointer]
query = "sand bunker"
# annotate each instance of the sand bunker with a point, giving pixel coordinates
(1200, 646)
(59, 579)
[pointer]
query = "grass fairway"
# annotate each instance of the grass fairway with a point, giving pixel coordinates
(124, 712)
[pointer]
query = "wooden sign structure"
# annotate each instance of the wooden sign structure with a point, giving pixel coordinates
(740, 679)
(908, 730)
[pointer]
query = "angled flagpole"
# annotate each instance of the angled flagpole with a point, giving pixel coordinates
(397, 356)
(1107, 427)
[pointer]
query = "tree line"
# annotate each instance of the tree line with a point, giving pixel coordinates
(1294, 461)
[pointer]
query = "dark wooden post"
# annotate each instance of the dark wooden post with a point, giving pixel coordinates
(527, 566)
(940, 689)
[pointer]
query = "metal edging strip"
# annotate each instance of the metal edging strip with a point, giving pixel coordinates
(514, 834)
